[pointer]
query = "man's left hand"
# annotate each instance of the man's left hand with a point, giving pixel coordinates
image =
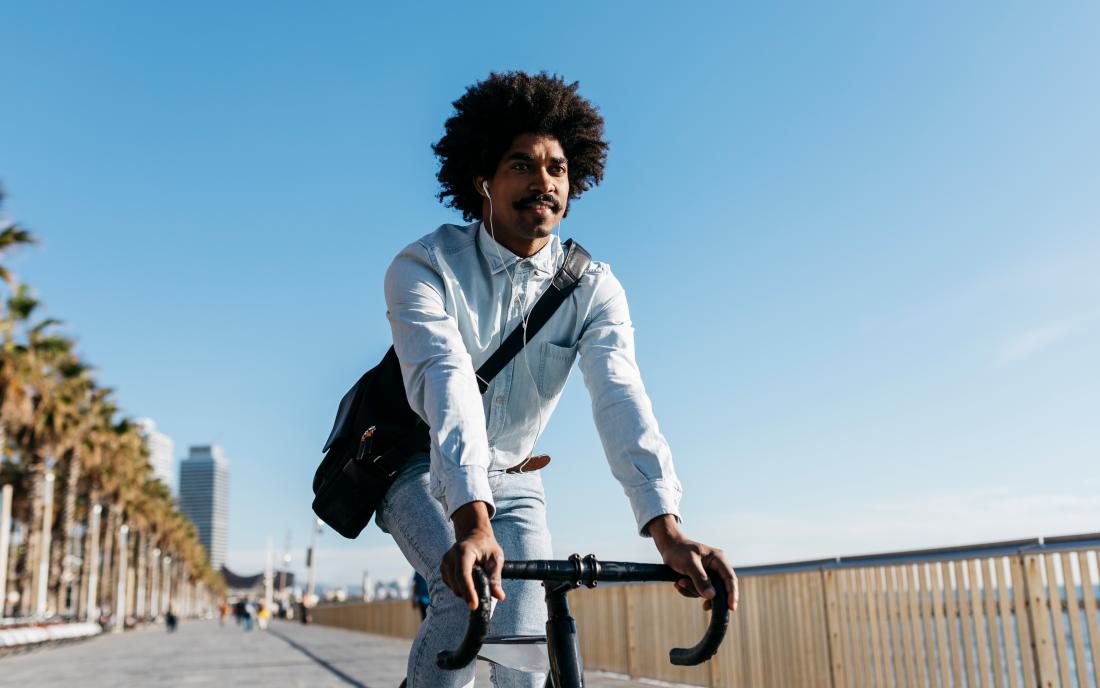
(698, 562)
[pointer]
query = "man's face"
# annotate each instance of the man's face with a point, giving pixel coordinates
(530, 192)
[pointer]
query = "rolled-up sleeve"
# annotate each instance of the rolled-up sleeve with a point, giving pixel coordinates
(639, 456)
(439, 377)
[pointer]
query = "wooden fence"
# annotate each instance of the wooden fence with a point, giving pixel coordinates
(1003, 615)
(395, 618)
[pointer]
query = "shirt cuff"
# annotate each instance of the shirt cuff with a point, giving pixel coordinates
(652, 500)
(465, 484)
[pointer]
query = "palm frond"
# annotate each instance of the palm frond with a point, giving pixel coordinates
(44, 325)
(13, 235)
(21, 303)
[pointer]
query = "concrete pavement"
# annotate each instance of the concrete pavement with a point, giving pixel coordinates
(202, 653)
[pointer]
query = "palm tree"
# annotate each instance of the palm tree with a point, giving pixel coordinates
(45, 354)
(12, 398)
(53, 416)
(95, 453)
(65, 411)
(33, 417)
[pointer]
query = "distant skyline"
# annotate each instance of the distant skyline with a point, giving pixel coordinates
(859, 243)
(204, 498)
(162, 453)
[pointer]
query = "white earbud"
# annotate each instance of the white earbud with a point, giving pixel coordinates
(485, 185)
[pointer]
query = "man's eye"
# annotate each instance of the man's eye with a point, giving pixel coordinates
(557, 169)
(521, 166)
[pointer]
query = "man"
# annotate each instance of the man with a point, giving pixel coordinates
(517, 149)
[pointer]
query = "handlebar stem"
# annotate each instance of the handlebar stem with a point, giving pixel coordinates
(562, 642)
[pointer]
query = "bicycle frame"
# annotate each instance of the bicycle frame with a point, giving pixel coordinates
(563, 645)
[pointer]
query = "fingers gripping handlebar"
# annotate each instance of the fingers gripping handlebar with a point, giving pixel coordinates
(716, 631)
(478, 627)
(588, 572)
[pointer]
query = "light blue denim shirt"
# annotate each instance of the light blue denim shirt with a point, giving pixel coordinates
(451, 302)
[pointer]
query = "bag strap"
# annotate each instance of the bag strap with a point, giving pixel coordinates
(565, 281)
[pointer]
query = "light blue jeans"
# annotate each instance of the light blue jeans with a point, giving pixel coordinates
(423, 532)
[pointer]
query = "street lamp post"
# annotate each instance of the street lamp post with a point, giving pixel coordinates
(269, 575)
(311, 561)
(44, 552)
(91, 611)
(154, 585)
(166, 584)
(282, 577)
(282, 574)
(5, 537)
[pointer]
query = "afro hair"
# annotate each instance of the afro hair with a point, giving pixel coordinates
(493, 112)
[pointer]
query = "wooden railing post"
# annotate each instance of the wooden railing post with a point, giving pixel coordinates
(1043, 651)
(714, 673)
(832, 625)
(1091, 611)
(630, 592)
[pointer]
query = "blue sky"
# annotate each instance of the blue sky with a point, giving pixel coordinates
(860, 244)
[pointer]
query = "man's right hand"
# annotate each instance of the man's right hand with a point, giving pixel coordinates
(475, 544)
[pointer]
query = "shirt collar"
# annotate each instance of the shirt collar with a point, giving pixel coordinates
(545, 261)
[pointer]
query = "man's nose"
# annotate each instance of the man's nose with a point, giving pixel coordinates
(543, 181)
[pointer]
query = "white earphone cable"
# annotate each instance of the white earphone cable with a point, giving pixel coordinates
(523, 314)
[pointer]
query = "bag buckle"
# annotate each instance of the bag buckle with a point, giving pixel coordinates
(384, 467)
(365, 444)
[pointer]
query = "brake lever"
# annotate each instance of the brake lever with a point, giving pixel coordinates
(715, 633)
(476, 631)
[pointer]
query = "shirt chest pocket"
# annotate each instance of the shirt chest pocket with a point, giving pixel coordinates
(555, 362)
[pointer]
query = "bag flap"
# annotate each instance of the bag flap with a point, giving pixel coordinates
(347, 410)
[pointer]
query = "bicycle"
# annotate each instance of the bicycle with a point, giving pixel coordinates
(559, 577)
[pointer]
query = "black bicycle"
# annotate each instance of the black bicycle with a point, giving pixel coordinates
(562, 646)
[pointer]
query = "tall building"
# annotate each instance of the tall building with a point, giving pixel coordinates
(162, 452)
(204, 498)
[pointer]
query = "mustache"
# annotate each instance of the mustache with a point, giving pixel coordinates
(548, 199)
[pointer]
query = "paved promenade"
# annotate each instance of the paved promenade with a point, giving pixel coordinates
(202, 653)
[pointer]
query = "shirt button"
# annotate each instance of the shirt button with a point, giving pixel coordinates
(499, 399)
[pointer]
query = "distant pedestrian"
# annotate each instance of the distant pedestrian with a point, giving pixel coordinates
(421, 596)
(223, 611)
(249, 614)
(171, 621)
(263, 615)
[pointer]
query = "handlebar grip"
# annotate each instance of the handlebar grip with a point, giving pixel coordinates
(476, 631)
(716, 631)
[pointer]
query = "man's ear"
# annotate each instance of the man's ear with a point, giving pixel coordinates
(480, 184)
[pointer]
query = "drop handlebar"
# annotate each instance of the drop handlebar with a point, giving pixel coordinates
(587, 571)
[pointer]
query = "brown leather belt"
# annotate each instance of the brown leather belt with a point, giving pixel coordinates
(531, 463)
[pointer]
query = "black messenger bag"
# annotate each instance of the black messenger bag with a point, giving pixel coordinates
(376, 431)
